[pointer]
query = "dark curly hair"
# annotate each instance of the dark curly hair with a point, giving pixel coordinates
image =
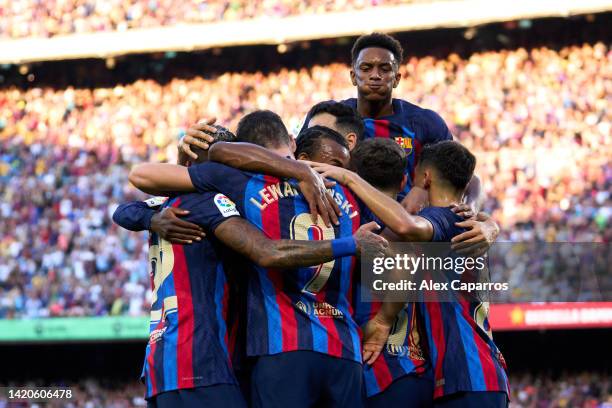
(377, 40)
(453, 162)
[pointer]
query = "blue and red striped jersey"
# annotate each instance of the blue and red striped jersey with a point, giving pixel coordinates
(462, 352)
(411, 126)
(189, 341)
(402, 355)
(297, 309)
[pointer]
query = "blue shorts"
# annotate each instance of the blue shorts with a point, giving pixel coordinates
(220, 395)
(304, 379)
(409, 391)
(474, 399)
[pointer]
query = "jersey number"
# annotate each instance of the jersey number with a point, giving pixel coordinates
(303, 229)
(161, 259)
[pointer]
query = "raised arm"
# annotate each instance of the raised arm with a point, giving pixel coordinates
(244, 238)
(161, 178)
(134, 216)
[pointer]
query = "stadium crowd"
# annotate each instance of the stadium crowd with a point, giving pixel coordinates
(27, 18)
(538, 120)
(575, 390)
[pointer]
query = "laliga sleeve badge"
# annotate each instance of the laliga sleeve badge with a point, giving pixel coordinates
(156, 201)
(225, 205)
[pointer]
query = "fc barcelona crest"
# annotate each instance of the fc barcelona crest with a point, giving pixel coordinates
(405, 142)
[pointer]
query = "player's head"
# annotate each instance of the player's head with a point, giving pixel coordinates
(324, 145)
(221, 135)
(265, 128)
(375, 60)
(339, 117)
(448, 165)
(382, 163)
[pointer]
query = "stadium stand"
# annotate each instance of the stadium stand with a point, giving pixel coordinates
(25, 18)
(536, 116)
(576, 390)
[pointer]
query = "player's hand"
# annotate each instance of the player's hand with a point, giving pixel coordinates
(416, 199)
(320, 202)
(171, 228)
(375, 336)
(369, 242)
(463, 210)
(341, 175)
(195, 136)
(481, 233)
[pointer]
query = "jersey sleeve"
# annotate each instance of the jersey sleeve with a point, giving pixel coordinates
(211, 209)
(136, 215)
(435, 129)
(439, 222)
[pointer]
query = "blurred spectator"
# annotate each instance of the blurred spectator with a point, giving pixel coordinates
(575, 390)
(538, 121)
(28, 18)
(583, 390)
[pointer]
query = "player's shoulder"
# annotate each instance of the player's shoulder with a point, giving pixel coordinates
(429, 124)
(444, 212)
(352, 102)
(443, 220)
(410, 109)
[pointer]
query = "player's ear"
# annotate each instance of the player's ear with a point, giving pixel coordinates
(353, 76)
(351, 139)
(293, 145)
(303, 156)
(398, 77)
(404, 181)
(427, 175)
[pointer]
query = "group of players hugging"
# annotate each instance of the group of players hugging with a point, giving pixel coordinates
(254, 241)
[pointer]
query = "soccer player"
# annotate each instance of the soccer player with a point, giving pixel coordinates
(323, 145)
(300, 324)
(469, 370)
(188, 357)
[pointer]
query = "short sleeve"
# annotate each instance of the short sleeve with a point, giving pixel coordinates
(211, 209)
(439, 223)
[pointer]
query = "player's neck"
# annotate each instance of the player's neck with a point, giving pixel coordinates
(390, 193)
(443, 197)
(374, 109)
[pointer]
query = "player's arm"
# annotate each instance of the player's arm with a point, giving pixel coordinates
(134, 216)
(407, 227)
(161, 178)
(256, 159)
(244, 238)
